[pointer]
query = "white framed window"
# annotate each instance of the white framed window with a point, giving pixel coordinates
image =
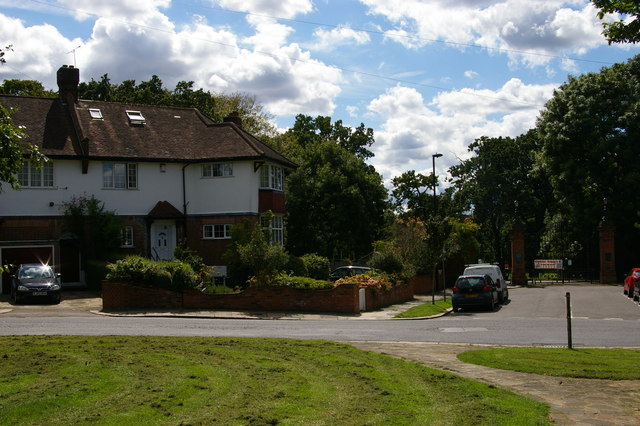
(95, 113)
(272, 177)
(217, 170)
(216, 231)
(31, 176)
(120, 175)
(275, 225)
(126, 236)
(135, 117)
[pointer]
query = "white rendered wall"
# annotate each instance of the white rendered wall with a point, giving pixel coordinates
(237, 194)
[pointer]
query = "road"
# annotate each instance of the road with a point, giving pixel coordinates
(602, 316)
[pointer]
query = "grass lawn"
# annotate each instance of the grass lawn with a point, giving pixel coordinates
(175, 380)
(611, 364)
(426, 309)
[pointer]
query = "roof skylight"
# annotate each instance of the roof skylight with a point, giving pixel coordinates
(136, 117)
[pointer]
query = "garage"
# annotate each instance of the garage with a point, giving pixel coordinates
(18, 255)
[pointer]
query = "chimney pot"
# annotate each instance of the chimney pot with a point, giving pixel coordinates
(235, 118)
(68, 78)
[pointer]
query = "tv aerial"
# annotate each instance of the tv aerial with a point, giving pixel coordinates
(74, 53)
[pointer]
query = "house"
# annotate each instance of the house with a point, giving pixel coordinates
(171, 173)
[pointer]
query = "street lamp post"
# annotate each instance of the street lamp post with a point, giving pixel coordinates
(435, 211)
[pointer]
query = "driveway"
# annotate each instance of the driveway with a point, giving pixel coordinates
(74, 303)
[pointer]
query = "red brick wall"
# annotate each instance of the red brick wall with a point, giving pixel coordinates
(271, 200)
(422, 284)
(343, 299)
(119, 296)
(376, 299)
(211, 250)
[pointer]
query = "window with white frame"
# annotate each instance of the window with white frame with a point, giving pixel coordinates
(216, 231)
(217, 170)
(272, 177)
(126, 236)
(34, 176)
(275, 225)
(120, 175)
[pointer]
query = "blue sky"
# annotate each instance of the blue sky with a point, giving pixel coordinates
(427, 75)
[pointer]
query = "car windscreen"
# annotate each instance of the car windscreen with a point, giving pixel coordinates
(36, 272)
(470, 282)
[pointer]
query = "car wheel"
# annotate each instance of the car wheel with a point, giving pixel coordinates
(492, 305)
(55, 300)
(455, 308)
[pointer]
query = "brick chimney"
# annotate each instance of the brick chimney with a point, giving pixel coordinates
(68, 79)
(234, 117)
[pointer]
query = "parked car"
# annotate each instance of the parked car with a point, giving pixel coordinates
(631, 282)
(34, 280)
(495, 273)
(474, 290)
(348, 271)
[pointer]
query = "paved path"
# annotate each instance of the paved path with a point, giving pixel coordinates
(572, 401)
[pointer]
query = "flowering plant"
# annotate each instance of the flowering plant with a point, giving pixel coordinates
(378, 282)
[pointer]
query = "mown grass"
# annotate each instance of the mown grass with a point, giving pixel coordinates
(426, 309)
(111, 380)
(611, 364)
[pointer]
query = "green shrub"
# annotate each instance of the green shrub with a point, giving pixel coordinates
(304, 283)
(172, 275)
(387, 260)
(296, 266)
(317, 267)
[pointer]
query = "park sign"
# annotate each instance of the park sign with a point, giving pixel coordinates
(547, 263)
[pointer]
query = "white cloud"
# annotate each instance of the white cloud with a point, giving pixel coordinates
(541, 29)
(414, 128)
(277, 8)
(336, 37)
(470, 74)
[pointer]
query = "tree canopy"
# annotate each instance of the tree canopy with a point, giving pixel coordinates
(13, 145)
(624, 30)
(590, 131)
(336, 203)
(152, 92)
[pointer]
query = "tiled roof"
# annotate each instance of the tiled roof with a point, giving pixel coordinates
(168, 134)
(165, 210)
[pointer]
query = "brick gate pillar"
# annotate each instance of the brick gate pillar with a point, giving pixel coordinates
(518, 272)
(607, 252)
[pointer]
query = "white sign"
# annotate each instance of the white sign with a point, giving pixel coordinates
(548, 263)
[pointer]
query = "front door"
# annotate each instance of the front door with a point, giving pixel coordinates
(163, 239)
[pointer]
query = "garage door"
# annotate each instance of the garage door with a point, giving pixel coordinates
(18, 255)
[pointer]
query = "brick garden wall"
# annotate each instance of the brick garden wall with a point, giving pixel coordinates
(343, 299)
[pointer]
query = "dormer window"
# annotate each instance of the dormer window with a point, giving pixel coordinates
(95, 114)
(135, 117)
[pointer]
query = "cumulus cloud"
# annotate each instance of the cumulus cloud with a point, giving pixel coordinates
(336, 37)
(414, 128)
(135, 40)
(529, 32)
(279, 8)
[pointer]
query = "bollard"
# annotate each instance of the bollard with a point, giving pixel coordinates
(570, 342)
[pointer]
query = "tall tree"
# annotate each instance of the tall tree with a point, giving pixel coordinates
(499, 188)
(25, 88)
(217, 106)
(623, 30)
(336, 203)
(590, 130)
(14, 150)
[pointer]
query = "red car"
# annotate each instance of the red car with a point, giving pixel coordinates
(631, 282)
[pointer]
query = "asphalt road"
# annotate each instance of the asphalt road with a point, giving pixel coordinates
(602, 316)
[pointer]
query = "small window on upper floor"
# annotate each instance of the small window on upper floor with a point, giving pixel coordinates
(136, 117)
(95, 113)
